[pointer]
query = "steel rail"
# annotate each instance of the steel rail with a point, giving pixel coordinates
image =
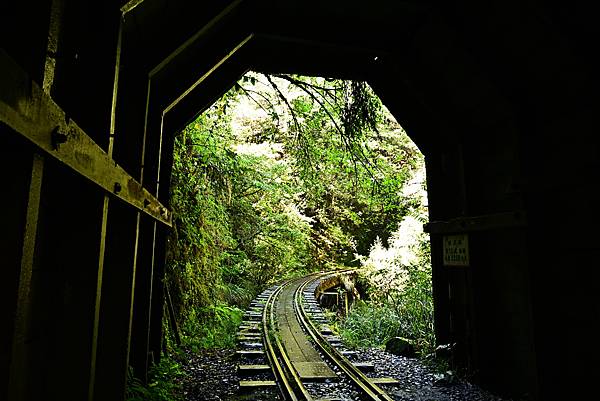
(373, 391)
(278, 351)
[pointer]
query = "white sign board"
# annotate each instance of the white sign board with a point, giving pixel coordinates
(456, 250)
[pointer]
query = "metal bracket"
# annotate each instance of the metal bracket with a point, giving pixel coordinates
(477, 223)
(26, 109)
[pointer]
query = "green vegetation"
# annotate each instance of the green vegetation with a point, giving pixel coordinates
(282, 176)
(235, 228)
(396, 280)
(163, 385)
(398, 306)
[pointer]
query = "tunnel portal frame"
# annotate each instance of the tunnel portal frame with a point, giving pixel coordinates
(92, 97)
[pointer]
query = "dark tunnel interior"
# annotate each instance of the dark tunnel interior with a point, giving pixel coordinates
(501, 98)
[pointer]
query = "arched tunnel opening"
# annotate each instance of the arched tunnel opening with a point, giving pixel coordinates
(500, 98)
(285, 175)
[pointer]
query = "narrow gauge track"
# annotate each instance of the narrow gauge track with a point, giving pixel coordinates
(286, 374)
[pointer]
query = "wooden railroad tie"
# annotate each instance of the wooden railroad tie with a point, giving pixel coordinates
(250, 353)
(364, 366)
(252, 369)
(325, 330)
(384, 380)
(253, 384)
(251, 338)
(252, 345)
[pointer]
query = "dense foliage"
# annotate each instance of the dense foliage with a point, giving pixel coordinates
(163, 385)
(282, 176)
(233, 232)
(400, 301)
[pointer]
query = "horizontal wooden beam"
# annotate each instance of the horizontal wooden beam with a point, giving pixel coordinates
(30, 112)
(477, 223)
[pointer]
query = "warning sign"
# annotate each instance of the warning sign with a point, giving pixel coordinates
(456, 250)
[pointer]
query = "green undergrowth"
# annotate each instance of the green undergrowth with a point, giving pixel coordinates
(369, 325)
(283, 176)
(163, 384)
(306, 183)
(213, 327)
(234, 233)
(398, 303)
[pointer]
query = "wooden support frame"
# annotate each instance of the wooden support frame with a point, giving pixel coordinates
(477, 223)
(29, 111)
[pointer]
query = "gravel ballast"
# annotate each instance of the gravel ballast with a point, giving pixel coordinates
(212, 376)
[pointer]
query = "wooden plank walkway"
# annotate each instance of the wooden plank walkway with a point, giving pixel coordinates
(304, 357)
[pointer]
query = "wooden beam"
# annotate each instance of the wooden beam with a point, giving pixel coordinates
(29, 111)
(477, 223)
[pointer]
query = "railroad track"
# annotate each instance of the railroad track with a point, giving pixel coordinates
(298, 352)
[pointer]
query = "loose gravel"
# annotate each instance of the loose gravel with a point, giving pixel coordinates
(212, 376)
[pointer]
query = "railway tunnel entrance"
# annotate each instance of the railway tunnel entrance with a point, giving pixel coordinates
(497, 96)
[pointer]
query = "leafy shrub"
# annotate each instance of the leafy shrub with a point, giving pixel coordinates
(305, 187)
(399, 299)
(212, 327)
(369, 325)
(406, 312)
(162, 386)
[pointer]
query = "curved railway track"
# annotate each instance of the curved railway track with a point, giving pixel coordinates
(299, 353)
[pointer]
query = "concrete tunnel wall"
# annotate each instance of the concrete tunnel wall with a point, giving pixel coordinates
(500, 97)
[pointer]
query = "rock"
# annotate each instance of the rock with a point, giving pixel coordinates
(444, 350)
(444, 379)
(400, 346)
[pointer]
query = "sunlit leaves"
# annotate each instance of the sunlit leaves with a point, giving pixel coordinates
(308, 176)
